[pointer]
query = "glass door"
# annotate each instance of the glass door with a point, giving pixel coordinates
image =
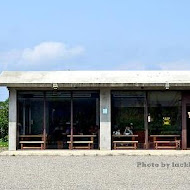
(188, 124)
(30, 113)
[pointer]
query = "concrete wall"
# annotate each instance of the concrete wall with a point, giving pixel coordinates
(105, 119)
(12, 118)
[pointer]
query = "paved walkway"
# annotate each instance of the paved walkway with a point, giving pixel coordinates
(96, 153)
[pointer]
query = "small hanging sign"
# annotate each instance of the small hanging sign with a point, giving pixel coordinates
(166, 120)
(149, 118)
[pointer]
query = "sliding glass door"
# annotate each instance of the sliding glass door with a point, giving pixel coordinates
(30, 113)
(145, 114)
(61, 115)
(128, 115)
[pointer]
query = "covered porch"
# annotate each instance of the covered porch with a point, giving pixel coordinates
(97, 110)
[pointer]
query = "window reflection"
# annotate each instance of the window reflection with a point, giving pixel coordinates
(128, 114)
(164, 112)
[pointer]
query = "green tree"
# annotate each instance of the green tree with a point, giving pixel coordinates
(4, 114)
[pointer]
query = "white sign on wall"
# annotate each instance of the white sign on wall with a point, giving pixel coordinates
(105, 111)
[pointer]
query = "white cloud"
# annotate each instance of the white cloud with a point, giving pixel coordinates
(175, 65)
(50, 50)
(43, 53)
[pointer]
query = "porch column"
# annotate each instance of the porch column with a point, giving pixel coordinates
(105, 119)
(184, 123)
(12, 118)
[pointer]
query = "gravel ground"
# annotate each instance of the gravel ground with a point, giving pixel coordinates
(98, 172)
(3, 149)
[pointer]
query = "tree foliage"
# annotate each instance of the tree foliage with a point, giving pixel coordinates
(4, 114)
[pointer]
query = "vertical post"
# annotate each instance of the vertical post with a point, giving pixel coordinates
(29, 114)
(71, 138)
(146, 120)
(44, 121)
(24, 118)
(12, 118)
(184, 124)
(105, 119)
(97, 112)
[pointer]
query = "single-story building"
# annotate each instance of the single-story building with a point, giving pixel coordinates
(98, 109)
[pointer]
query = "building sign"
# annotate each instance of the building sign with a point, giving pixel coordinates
(166, 121)
(105, 111)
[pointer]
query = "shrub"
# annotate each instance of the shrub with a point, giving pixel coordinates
(4, 114)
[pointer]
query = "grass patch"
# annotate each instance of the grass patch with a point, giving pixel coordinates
(3, 144)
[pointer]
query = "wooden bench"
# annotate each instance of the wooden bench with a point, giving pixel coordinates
(29, 140)
(121, 146)
(166, 141)
(167, 144)
(121, 141)
(85, 139)
(80, 142)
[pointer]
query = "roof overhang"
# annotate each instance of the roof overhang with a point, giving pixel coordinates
(96, 79)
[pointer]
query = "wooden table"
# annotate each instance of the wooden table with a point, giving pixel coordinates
(164, 142)
(31, 139)
(121, 143)
(89, 141)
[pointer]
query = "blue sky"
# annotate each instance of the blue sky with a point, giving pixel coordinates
(94, 35)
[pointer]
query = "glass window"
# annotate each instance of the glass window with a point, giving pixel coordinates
(86, 116)
(85, 112)
(58, 115)
(164, 112)
(128, 112)
(30, 112)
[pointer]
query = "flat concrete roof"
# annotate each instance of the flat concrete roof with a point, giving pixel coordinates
(94, 78)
